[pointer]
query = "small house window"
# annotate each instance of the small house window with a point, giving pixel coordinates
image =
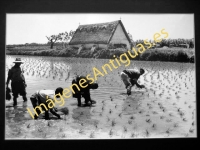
(120, 45)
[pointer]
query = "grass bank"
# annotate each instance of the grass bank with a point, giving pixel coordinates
(158, 54)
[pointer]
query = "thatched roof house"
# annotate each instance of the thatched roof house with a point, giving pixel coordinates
(101, 35)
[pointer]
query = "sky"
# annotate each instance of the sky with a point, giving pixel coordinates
(33, 28)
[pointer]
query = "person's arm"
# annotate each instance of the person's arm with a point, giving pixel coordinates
(54, 113)
(139, 86)
(133, 81)
(9, 77)
(22, 75)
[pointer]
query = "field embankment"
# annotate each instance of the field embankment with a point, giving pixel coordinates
(157, 54)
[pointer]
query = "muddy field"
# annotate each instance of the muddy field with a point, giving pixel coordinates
(165, 109)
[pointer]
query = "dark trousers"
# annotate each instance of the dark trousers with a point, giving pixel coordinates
(35, 103)
(86, 97)
(18, 87)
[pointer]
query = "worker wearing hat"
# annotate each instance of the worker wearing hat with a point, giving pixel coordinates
(18, 84)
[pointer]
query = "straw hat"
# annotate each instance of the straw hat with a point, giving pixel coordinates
(18, 60)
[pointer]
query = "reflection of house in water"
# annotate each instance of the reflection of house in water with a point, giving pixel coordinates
(101, 35)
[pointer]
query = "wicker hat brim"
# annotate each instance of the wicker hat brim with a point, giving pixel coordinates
(18, 62)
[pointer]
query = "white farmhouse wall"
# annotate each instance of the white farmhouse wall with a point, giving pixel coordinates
(103, 46)
(120, 37)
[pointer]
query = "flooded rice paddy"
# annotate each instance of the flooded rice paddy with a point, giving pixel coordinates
(165, 109)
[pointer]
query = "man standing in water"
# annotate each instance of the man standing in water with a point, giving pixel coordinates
(18, 84)
(130, 77)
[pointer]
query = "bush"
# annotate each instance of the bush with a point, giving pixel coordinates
(158, 54)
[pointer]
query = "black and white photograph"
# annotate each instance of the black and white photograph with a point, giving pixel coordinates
(100, 76)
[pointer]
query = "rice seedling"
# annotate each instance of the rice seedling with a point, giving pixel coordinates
(176, 125)
(120, 115)
(63, 135)
(181, 113)
(150, 107)
(184, 119)
(113, 123)
(111, 132)
(161, 107)
(96, 125)
(191, 130)
(169, 120)
(19, 131)
(162, 117)
(193, 123)
(164, 109)
(61, 129)
(124, 109)
(168, 131)
(148, 104)
(49, 124)
(132, 117)
(147, 134)
(39, 129)
(154, 101)
(140, 112)
(81, 131)
(44, 135)
(116, 106)
(154, 126)
(92, 134)
(111, 99)
(93, 110)
(154, 112)
(130, 122)
(29, 125)
(148, 120)
(110, 111)
(125, 129)
(108, 119)
(133, 135)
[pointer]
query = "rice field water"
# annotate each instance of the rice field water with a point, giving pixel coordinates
(167, 108)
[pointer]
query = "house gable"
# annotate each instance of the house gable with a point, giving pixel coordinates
(119, 36)
(102, 33)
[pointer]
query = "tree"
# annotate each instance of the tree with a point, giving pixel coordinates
(66, 37)
(60, 37)
(53, 38)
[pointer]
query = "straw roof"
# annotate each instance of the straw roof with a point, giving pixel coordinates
(96, 33)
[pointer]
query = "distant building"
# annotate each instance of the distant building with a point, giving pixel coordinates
(101, 35)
